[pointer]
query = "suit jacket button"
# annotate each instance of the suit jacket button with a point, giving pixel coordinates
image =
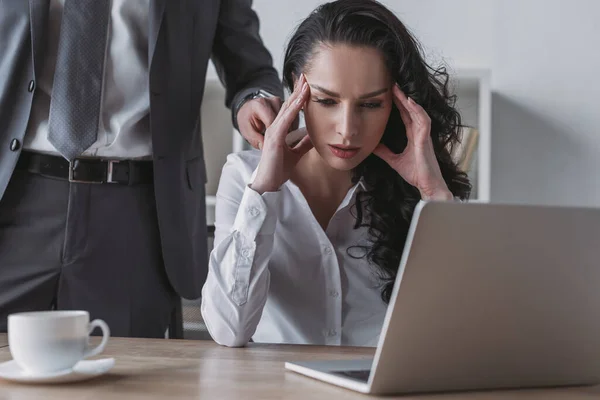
(15, 145)
(31, 87)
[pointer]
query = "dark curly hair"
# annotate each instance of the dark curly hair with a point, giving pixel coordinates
(387, 206)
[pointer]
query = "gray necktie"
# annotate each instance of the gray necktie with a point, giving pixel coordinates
(77, 88)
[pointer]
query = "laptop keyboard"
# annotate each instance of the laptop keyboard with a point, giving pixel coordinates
(360, 375)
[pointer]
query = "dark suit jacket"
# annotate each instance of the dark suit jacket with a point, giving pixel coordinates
(183, 36)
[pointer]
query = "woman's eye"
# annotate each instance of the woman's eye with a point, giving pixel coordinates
(371, 105)
(325, 102)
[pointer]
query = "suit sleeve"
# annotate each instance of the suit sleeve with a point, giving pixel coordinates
(242, 61)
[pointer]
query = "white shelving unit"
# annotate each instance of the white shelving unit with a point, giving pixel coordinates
(474, 100)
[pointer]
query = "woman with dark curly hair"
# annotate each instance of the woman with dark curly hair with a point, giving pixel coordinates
(310, 231)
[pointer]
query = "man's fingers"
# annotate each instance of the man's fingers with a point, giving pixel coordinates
(275, 103)
(263, 112)
(250, 132)
(256, 140)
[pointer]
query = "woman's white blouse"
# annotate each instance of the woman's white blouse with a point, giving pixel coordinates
(275, 276)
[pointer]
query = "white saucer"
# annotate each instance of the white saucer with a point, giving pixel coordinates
(83, 370)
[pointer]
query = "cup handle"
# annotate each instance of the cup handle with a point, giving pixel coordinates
(97, 323)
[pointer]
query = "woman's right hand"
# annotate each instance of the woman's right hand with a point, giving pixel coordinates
(278, 159)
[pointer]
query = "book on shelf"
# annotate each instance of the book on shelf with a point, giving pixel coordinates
(464, 152)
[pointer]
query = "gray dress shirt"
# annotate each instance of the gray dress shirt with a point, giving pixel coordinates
(124, 129)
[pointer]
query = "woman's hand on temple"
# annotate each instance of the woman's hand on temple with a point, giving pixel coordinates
(417, 164)
(278, 158)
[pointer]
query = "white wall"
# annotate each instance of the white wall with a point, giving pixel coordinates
(458, 29)
(543, 57)
(546, 114)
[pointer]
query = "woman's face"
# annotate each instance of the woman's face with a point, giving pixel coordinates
(349, 105)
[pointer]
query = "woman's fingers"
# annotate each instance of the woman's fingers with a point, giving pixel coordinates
(419, 127)
(383, 152)
(294, 137)
(416, 113)
(291, 108)
(303, 146)
(401, 103)
(293, 96)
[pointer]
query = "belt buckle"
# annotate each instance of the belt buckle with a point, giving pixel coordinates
(109, 173)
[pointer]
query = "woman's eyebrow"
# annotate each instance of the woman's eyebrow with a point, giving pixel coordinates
(373, 94)
(334, 94)
(326, 91)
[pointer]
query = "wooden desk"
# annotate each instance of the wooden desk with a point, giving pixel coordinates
(159, 369)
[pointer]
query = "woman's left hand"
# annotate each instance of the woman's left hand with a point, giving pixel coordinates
(417, 164)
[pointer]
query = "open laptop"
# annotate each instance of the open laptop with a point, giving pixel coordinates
(487, 296)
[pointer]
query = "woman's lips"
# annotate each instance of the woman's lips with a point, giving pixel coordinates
(344, 151)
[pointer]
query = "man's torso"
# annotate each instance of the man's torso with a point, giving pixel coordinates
(123, 130)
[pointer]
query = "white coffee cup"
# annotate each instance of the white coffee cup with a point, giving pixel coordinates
(52, 341)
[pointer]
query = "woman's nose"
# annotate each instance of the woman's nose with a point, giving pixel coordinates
(347, 126)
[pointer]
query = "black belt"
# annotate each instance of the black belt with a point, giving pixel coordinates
(87, 170)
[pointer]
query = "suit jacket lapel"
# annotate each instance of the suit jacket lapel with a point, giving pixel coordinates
(157, 8)
(38, 18)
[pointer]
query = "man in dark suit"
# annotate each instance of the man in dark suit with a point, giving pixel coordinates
(101, 161)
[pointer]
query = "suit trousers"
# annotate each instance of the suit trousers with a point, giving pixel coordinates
(84, 246)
